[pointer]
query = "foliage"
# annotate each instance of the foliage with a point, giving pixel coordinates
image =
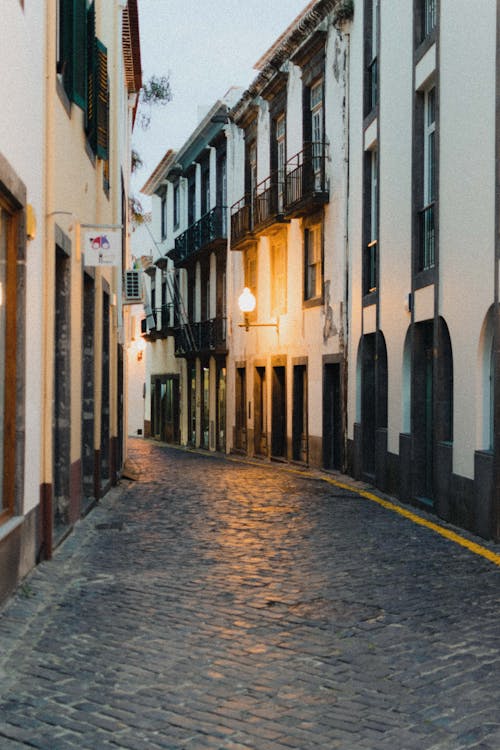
(136, 210)
(156, 91)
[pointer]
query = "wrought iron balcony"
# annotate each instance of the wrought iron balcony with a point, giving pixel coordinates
(269, 201)
(207, 233)
(204, 336)
(241, 221)
(157, 324)
(306, 186)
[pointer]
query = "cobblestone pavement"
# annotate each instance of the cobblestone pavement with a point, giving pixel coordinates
(231, 605)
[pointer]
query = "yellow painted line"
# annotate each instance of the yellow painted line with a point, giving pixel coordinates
(452, 536)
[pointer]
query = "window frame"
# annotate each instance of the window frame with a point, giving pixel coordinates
(313, 283)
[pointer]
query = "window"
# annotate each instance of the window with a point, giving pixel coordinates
(278, 278)
(163, 216)
(426, 18)
(371, 49)
(177, 205)
(205, 190)
(371, 224)
(317, 132)
(313, 262)
(427, 214)
(71, 49)
(281, 154)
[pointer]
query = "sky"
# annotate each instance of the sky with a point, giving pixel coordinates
(205, 48)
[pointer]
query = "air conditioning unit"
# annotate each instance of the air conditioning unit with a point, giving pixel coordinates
(132, 292)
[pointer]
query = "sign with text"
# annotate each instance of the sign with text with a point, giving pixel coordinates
(103, 248)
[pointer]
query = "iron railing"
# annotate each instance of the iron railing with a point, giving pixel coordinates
(305, 177)
(241, 219)
(208, 229)
(205, 335)
(269, 199)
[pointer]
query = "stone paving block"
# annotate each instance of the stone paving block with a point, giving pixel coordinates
(235, 606)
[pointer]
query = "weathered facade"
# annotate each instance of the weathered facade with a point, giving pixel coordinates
(365, 236)
(288, 167)
(64, 172)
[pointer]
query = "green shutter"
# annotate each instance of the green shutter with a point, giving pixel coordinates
(66, 45)
(91, 120)
(73, 49)
(80, 53)
(102, 101)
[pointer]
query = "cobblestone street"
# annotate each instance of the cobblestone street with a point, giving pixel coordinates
(231, 605)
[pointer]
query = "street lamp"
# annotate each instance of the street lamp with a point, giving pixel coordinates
(246, 303)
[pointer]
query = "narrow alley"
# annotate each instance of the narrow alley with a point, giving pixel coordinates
(225, 604)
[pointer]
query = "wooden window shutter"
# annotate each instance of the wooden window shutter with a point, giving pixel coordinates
(91, 121)
(72, 62)
(102, 101)
(79, 53)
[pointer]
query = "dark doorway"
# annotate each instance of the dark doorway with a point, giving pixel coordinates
(221, 408)
(192, 404)
(299, 414)
(333, 444)
(62, 395)
(368, 405)
(278, 417)
(105, 394)
(205, 407)
(260, 412)
(171, 428)
(88, 392)
(423, 405)
(240, 441)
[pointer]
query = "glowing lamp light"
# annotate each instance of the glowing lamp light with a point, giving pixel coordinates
(246, 301)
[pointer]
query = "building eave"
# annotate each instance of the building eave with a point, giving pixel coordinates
(159, 173)
(282, 50)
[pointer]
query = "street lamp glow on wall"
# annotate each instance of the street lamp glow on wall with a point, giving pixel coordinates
(246, 303)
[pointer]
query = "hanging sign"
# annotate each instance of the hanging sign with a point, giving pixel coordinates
(103, 248)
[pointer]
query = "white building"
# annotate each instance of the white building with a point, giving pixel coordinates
(423, 417)
(64, 170)
(22, 243)
(287, 185)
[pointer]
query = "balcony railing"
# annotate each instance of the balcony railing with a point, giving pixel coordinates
(427, 254)
(305, 179)
(204, 336)
(157, 324)
(210, 228)
(241, 219)
(269, 200)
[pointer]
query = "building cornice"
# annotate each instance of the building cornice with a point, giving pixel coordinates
(282, 50)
